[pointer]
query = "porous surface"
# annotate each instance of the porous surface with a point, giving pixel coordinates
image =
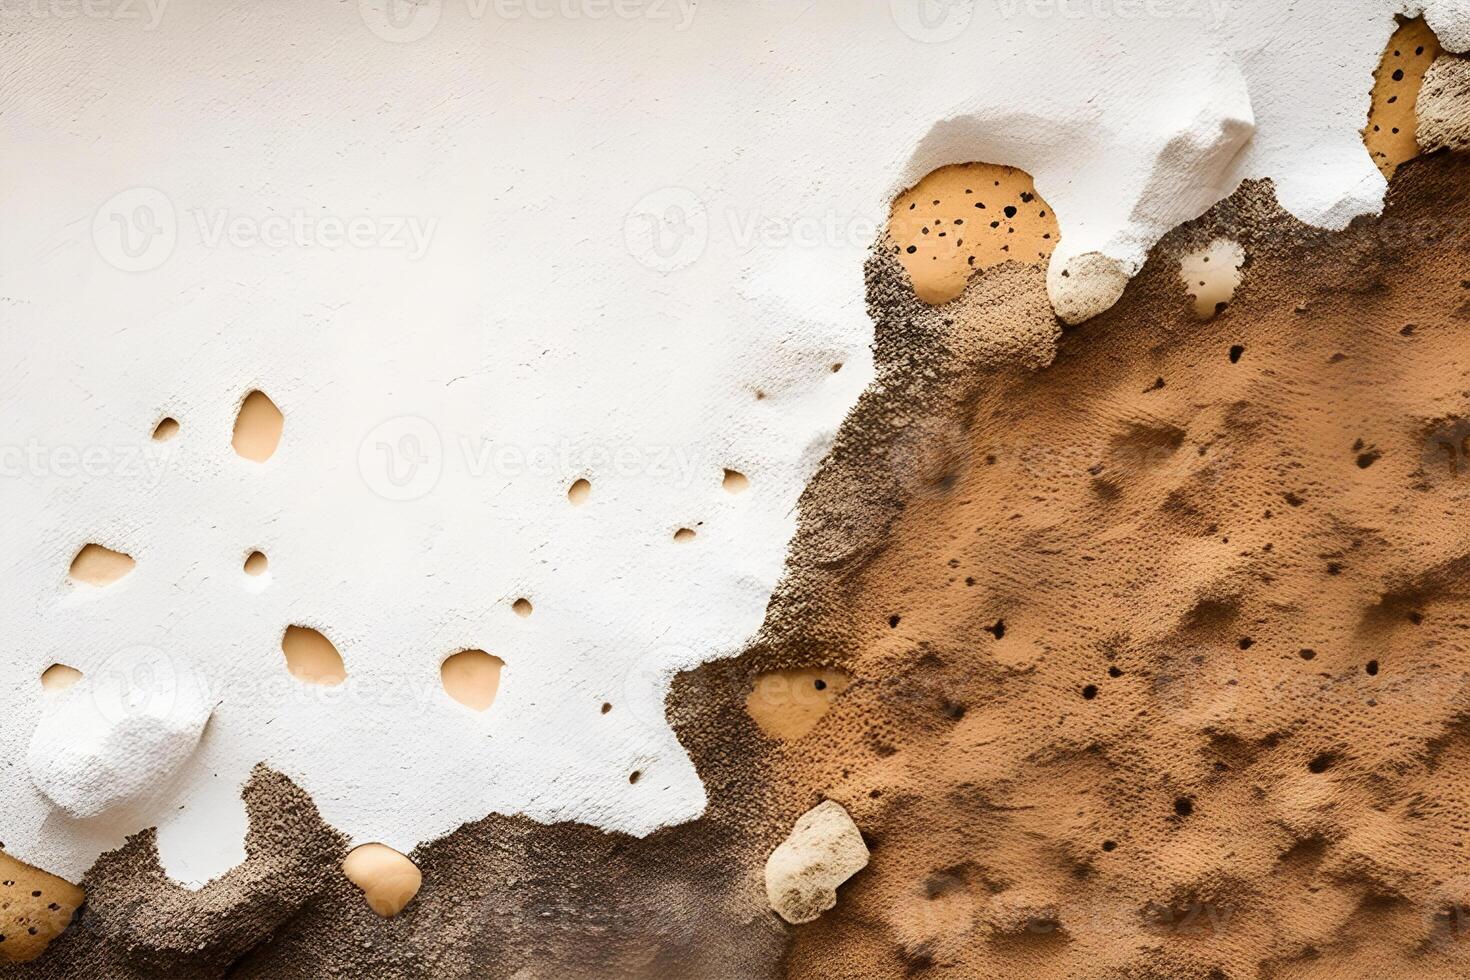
(824, 850)
(1444, 105)
(1167, 676)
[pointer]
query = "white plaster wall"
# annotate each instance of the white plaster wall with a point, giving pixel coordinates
(528, 143)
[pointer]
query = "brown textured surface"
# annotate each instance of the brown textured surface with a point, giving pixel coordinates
(1326, 803)
(1141, 774)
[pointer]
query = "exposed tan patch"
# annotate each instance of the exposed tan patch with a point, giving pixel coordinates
(966, 217)
(1211, 275)
(98, 565)
(735, 482)
(1389, 135)
(166, 429)
(787, 704)
(522, 607)
(256, 563)
(684, 535)
(35, 908)
(388, 880)
(472, 677)
(579, 492)
(311, 657)
(258, 427)
(59, 677)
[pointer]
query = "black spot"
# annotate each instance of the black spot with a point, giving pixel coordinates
(1295, 500)
(819, 684)
(893, 621)
(1109, 845)
(1321, 763)
(1246, 643)
(1235, 351)
(1407, 331)
(1114, 672)
(1090, 691)
(912, 249)
(1307, 654)
(998, 630)
(1367, 459)
(1398, 74)
(1372, 668)
(1416, 618)
(1184, 806)
(1010, 210)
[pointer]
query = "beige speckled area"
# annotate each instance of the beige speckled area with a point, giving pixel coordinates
(1389, 134)
(34, 908)
(964, 218)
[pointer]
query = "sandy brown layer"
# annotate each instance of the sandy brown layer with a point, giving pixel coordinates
(1165, 675)
(1064, 756)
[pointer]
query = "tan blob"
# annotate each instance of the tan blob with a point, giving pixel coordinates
(311, 657)
(258, 427)
(256, 563)
(1389, 135)
(472, 677)
(787, 704)
(967, 217)
(578, 492)
(522, 607)
(96, 565)
(166, 429)
(735, 481)
(684, 535)
(59, 677)
(388, 880)
(1211, 275)
(35, 908)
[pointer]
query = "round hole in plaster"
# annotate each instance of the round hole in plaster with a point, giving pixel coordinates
(634, 776)
(311, 657)
(578, 492)
(258, 427)
(99, 566)
(59, 677)
(606, 707)
(387, 879)
(256, 563)
(684, 535)
(471, 677)
(166, 429)
(522, 607)
(735, 481)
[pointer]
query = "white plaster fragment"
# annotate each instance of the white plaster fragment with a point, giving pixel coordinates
(1444, 105)
(119, 735)
(823, 850)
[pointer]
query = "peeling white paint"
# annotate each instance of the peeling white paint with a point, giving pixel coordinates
(475, 251)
